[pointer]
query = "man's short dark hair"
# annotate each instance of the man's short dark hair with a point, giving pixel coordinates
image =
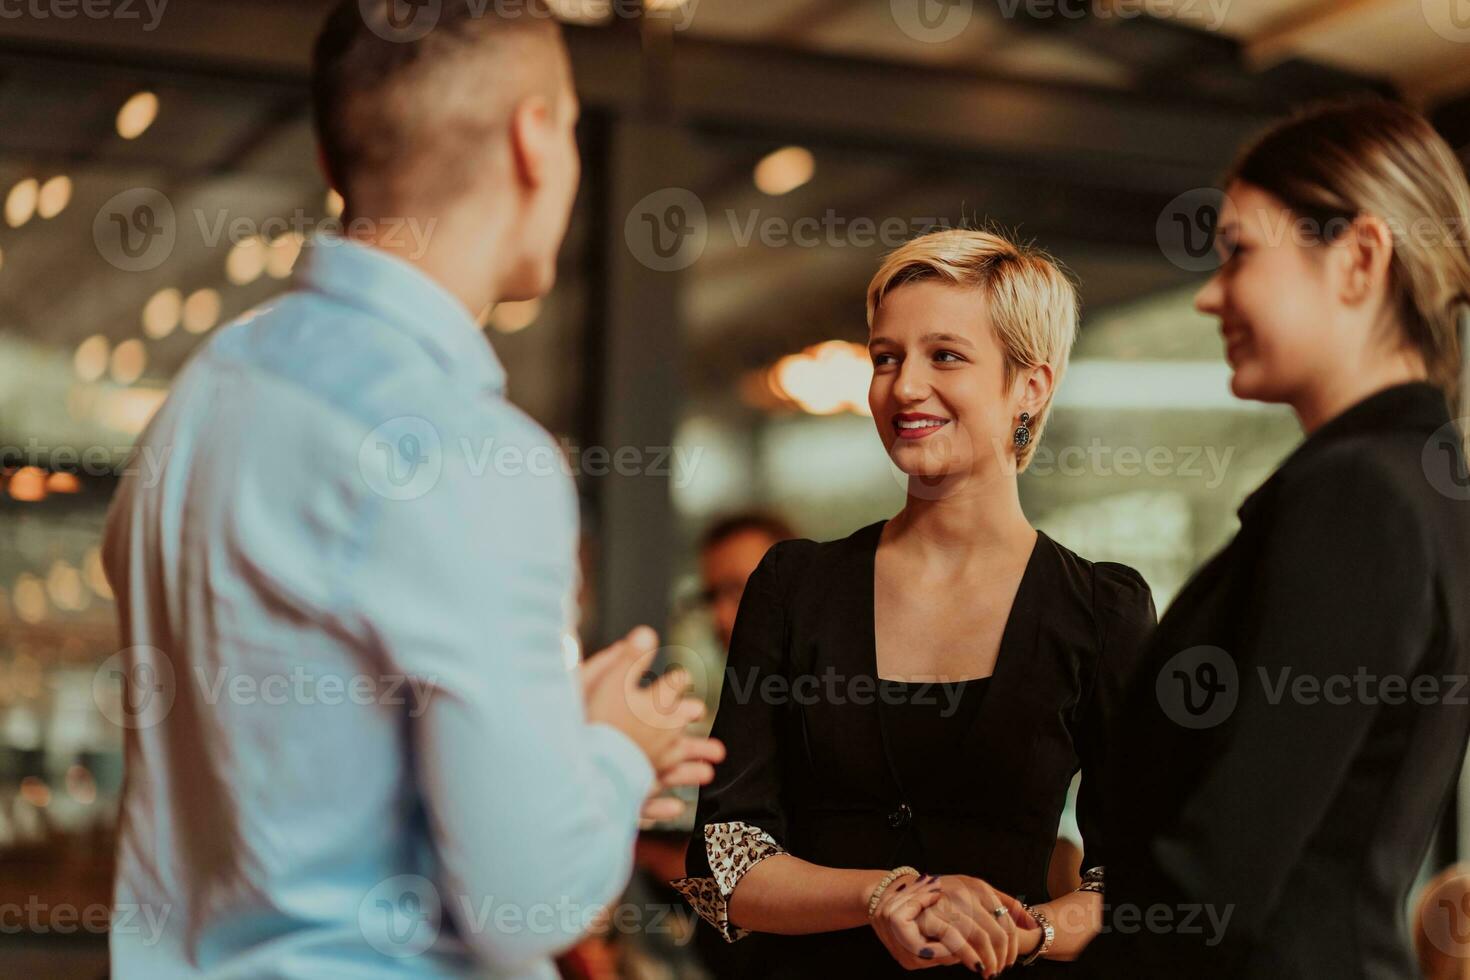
(400, 111)
(762, 521)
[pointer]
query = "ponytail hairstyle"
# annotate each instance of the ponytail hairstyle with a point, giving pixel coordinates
(1335, 162)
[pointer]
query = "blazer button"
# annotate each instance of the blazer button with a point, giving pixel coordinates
(900, 817)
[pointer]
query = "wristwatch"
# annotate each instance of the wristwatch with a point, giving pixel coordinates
(1048, 935)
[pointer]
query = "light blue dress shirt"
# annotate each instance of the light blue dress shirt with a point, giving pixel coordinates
(345, 567)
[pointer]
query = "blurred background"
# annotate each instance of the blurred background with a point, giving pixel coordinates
(747, 163)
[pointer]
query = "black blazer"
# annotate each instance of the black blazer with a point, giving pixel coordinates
(1255, 773)
(815, 769)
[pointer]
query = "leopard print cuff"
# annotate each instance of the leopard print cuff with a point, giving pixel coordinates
(733, 849)
(1092, 881)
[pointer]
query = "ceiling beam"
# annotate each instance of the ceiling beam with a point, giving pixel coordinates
(1284, 37)
(719, 83)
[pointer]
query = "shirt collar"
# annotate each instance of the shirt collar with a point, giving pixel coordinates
(1417, 407)
(387, 286)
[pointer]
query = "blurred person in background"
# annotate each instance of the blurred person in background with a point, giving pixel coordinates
(728, 553)
(920, 694)
(729, 550)
(1272, 771)
(316, 513)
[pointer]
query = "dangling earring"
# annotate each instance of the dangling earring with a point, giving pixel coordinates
(1023, 431)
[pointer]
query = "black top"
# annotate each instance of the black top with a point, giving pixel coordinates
(1255, 774)
(925, 724)
(824, 769)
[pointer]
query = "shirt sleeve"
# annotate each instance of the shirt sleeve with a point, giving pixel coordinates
(1344, 584)
(466, 587)
(741, 819)
(1124, 607)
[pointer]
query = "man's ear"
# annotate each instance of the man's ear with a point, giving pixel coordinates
(531, 133)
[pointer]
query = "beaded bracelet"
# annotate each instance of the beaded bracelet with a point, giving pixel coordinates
(883, 884)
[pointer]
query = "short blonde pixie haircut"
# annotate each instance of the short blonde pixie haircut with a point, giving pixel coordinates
(1032, 301)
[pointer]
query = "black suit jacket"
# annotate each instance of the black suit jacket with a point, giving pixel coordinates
(811, 760)
(1300, 718)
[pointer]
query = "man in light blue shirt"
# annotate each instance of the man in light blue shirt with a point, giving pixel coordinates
(358, 744)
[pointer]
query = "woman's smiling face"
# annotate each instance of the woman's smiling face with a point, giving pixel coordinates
(938, 394)
(1274, 298)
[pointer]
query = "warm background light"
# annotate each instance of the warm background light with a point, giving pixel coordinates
(785, 170)
(129, 359)
(129, 410)
(95, 574)
(136, 115)
(29, 597)
(162, 312)
(202, 310)
(247, 261)
(28, 484)
(91, 357)
(63, 483)
(55, 195)
(64, 586)
(823, 379)
(21, 202)
(284, 252)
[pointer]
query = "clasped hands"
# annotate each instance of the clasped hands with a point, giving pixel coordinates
(952, 919)
(655, 717)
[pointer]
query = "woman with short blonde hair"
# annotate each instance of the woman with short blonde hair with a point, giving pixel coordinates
(1032, 303)
(919, 694)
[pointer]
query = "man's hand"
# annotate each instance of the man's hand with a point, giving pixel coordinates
(654, 717)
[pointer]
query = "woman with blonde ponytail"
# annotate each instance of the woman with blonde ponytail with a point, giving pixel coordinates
(1297, 728)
